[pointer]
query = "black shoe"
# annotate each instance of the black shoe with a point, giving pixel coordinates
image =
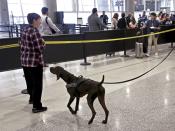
(30, 102)
(37, 110)
(24, 91)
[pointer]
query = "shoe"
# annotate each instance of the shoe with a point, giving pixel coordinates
(30, 102)
(148, 55)
(24, 91)
(37, 110)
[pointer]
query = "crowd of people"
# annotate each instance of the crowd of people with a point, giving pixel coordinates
(151, 23)
(129, 21)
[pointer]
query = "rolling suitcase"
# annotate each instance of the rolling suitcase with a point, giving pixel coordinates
(139, 50)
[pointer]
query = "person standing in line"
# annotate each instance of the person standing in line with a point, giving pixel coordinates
(47, 26)
(31, 55)
(104, 18)
(144, 17)
(152, 26)
(122, 23)
(128, 19)
(94, 22)
(114, 21)
(132, 24)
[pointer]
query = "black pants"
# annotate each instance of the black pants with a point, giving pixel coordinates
(34, 82)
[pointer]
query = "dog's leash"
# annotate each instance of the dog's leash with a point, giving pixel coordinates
(132, 79)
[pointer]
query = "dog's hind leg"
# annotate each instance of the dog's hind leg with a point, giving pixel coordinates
(90, 100)
(77, 104)
(69, 103)
(101, 99)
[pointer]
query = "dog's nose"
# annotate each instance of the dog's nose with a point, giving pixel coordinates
(51, 69)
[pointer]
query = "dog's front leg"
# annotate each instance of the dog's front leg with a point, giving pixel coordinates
(77, 104)
(69, 103)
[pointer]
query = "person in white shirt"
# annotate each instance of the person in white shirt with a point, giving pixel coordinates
(47, 26)
(114, 21)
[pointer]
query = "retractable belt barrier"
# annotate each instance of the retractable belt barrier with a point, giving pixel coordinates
(91, 41)
(106, 40)
(132, 79)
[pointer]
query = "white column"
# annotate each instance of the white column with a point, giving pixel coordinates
(111, 7)
(155, 5)
(144, 3)
(95, 6)
(129, 6)
(102, 5)
(52, 5)
(74, 5)
(4, 13)
(77, 8)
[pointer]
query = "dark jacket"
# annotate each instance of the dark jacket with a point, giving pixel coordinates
(152, 23)
(104, 19)
(122, 23)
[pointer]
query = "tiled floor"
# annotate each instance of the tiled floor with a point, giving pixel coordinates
(146, 104)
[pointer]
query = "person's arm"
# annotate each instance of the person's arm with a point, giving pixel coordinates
(100, 23)
(158, 25)
(38, 41)
(107, 19)
(146, 25)
(52, 25)
(113, 23)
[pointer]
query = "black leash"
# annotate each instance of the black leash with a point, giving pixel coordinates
(132, 79)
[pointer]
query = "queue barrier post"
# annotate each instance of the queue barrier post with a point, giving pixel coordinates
(85, 63)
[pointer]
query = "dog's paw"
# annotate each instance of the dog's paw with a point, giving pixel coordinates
(74, 112)
(104, 122)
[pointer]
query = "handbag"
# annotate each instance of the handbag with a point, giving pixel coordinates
(52, 30)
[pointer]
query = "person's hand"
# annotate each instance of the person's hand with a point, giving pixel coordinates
(143, 27)
(43, 42)
(158, 28)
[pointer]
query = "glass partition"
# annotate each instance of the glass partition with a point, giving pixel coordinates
(18, 9)
(65, 5)
(72, 9)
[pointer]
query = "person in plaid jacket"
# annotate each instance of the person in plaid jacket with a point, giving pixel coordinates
(31, 49)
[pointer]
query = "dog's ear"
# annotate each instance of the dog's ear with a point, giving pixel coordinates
(58, 77)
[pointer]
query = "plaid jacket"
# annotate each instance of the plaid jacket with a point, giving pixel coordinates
(31, 47)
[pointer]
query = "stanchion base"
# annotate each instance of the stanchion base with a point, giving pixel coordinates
(24, 91)
(85, 64)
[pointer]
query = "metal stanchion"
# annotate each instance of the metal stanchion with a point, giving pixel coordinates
(124, 46)
(85, 63)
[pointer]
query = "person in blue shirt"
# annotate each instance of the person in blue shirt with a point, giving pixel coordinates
(152, 25)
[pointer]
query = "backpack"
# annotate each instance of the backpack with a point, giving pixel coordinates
(52, 30)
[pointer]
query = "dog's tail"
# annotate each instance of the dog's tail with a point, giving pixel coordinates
(102, 81)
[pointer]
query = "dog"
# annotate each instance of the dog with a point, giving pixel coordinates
(78, 87)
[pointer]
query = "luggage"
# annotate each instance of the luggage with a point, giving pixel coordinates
(139, 50)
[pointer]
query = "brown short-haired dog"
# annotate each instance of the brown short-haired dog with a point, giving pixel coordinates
(78, 87)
